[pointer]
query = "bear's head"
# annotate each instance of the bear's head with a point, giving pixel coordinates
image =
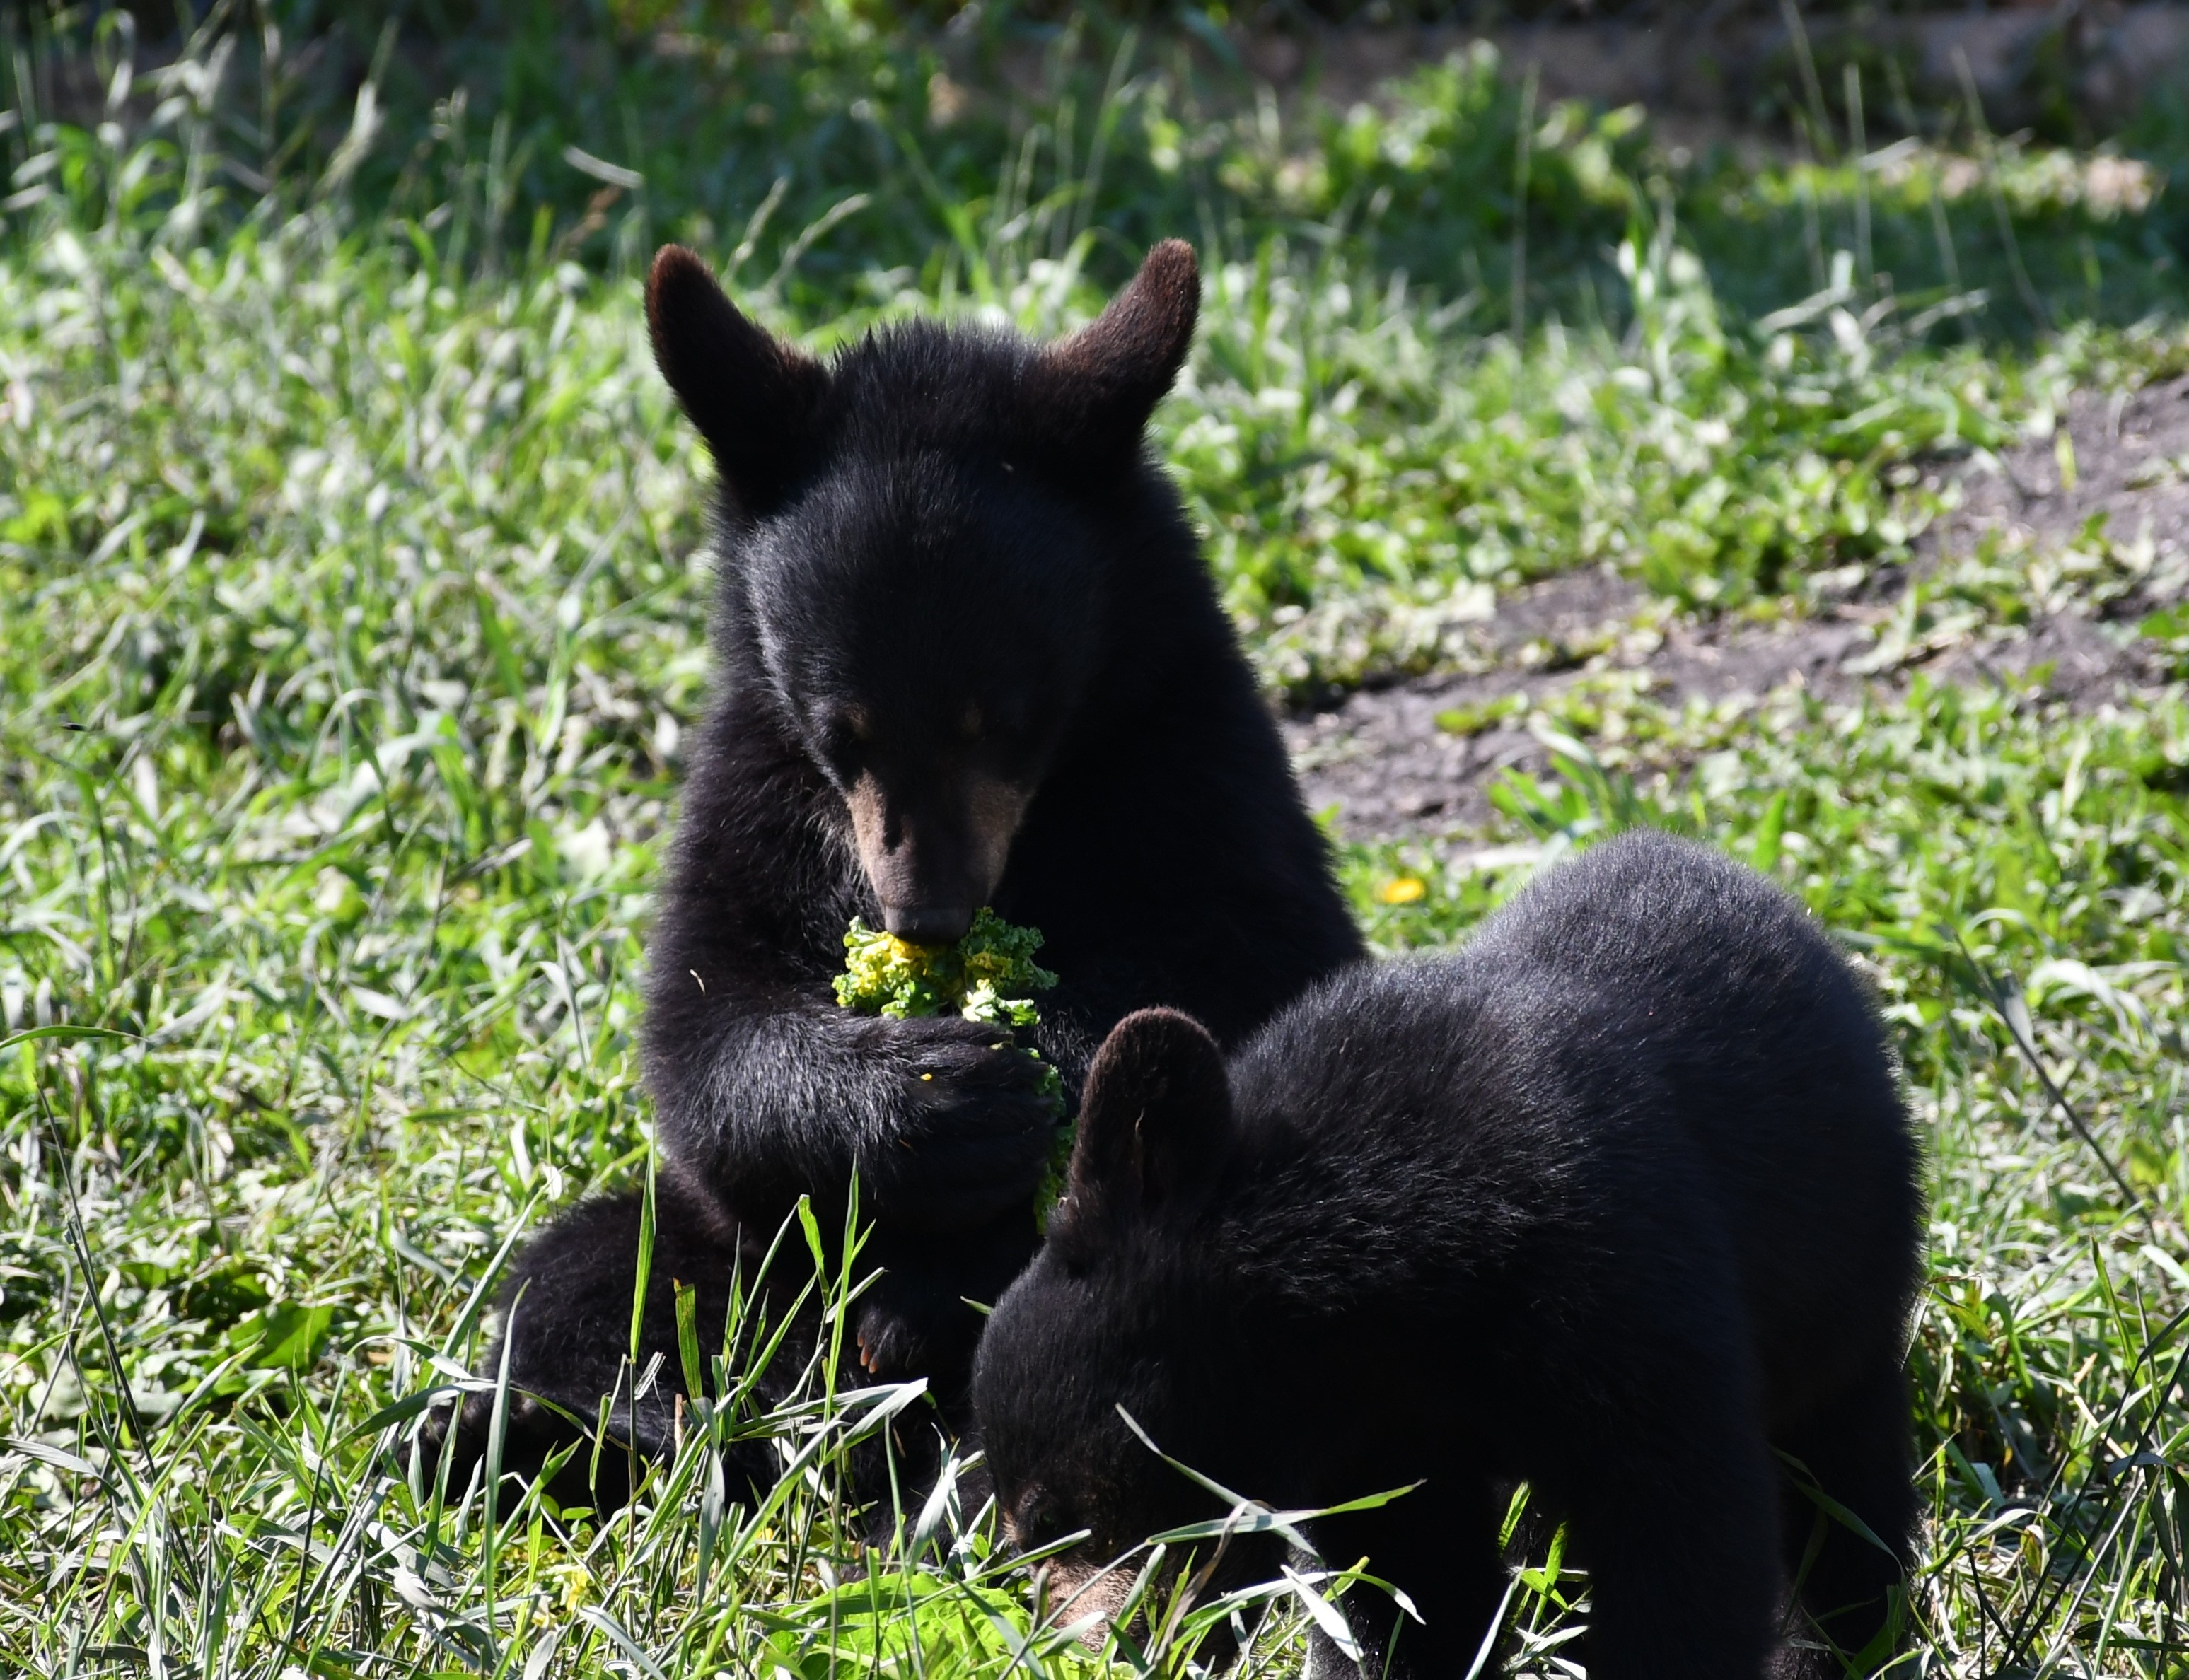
(919, 538)
(1112, 1322)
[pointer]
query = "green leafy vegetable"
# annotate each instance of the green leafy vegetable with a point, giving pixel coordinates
(984, 977)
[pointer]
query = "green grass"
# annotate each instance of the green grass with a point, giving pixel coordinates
(352, 618)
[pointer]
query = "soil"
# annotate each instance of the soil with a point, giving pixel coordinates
(1383, 759)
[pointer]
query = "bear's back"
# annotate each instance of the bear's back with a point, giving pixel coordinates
(1649, 1034)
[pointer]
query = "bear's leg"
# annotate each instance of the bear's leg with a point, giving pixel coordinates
(1857, 1452)
(1678, 1531)
(567, 1313)
(1442, 1554)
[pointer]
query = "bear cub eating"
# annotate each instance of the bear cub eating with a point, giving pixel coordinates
(1621, 1200)
(966, 654)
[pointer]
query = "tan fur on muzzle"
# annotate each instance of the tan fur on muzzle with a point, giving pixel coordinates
(971, 823)
(1079, 1587)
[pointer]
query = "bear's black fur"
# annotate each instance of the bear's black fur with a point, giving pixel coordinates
(1616, 1200)
(967, 653)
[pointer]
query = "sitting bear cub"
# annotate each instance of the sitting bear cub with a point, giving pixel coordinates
(1620, 1200)
(967, 653)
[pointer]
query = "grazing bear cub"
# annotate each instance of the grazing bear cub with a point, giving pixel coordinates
(967, 654)
(1617, 1199)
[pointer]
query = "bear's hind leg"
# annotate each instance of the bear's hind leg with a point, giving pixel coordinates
(1442, 1554)
(1676, 1534)
(1857, 1452)
(567, 1312)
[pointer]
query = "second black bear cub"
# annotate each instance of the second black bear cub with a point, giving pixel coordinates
(1616, 1200)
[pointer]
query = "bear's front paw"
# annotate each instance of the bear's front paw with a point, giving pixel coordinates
(909, 1324)
(979, 1124)
(890, 1343)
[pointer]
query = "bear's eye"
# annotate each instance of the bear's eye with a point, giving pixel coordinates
(843, 733)
(1037, 1518)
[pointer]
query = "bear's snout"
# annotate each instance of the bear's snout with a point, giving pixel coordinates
(1079, 1588)
(935, 851)
(928, 924)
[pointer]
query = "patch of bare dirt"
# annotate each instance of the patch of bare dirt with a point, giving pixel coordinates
(2128, 459)
(1392, 768)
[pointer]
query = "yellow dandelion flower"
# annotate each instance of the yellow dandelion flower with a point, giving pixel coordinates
(1403, 889)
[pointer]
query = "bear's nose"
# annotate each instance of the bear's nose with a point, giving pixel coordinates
(927, 924)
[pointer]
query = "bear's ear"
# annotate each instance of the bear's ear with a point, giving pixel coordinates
(753, 396)
(1153, 1120)
(1093, 393)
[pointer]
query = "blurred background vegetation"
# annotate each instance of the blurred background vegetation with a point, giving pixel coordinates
(845, 163)
(1149, 118)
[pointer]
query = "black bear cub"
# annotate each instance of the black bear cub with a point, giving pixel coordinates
(967, 653)
(1620, 1200)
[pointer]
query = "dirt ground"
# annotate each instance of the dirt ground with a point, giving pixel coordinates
(1382, 757)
